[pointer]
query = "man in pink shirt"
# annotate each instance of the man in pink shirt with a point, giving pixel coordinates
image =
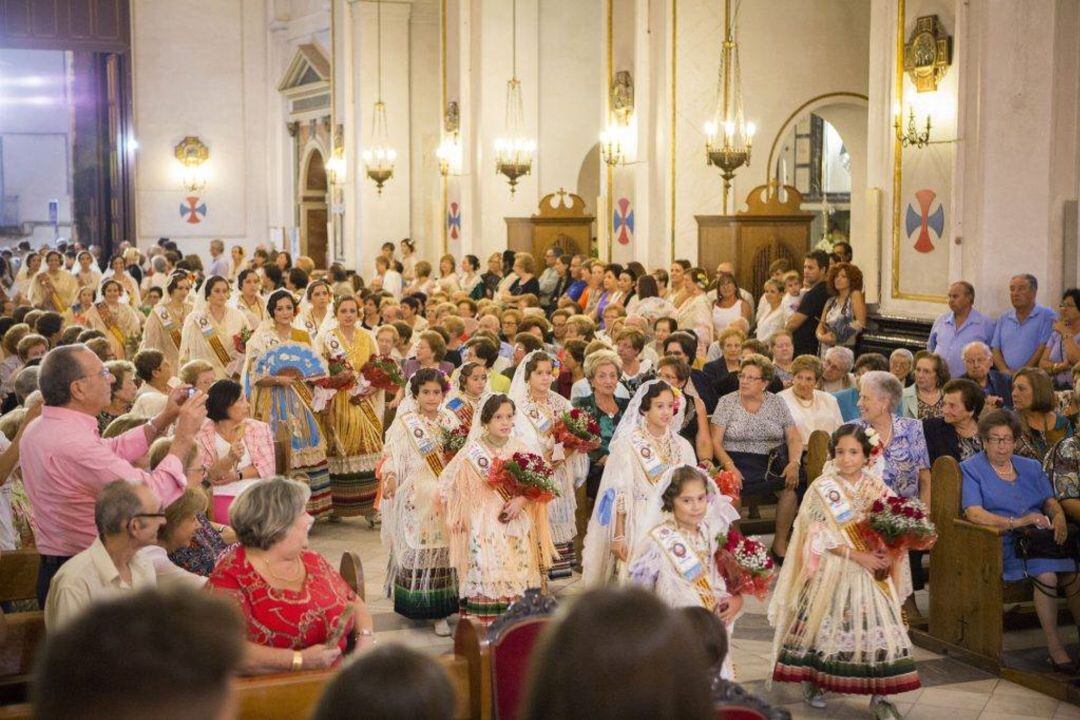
(66, 463)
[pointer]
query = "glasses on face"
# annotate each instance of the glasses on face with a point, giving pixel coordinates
(749, 378)
(149, 515)
(1000, 440)
(103, 372)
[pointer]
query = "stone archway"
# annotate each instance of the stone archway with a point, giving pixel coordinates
(314, 212)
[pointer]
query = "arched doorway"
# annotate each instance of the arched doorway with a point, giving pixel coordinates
(313, 209)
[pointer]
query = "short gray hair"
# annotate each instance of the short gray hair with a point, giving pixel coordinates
(843, 355)
(59, 369)
(115, 507)
(904, 353)
(262, 514)
(26, 382)
(159, 263)
(976, 345)
(599, 358)
(1032, 281)
(884, 383)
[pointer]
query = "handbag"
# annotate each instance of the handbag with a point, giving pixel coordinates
(1032, 543)
(775, 464)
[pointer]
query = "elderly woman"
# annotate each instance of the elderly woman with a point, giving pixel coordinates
(782, 349)
(728, 346)
(1006, 492)
(901, 363)
(810, 408)
(629, 344)
(1034, 402)
(1063, 347)
(836, 365)
(123, 392)
(956, 433)
(300, 613)
(924, 398)
(526, 282)
(602, 371)
(906, 463)
(430, 351)
(752, 432)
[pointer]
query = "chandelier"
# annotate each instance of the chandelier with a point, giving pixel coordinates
(728, 136)
(379, 156)
(514, 151)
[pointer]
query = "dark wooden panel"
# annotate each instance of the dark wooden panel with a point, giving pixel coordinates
(45, 19)
(15, 18)
(98, 25)
(81, 18)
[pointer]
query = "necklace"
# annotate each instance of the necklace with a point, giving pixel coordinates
(284, 578)
(490, 440)
(803, 403)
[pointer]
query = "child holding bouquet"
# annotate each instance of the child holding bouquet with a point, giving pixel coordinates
(836, 608)
(500, 540)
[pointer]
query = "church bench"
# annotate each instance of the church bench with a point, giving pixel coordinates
(18, 574)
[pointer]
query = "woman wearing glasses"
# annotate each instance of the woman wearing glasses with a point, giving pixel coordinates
(747, 426)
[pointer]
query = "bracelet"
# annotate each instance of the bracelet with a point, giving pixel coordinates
(297, 661)
(617, 538)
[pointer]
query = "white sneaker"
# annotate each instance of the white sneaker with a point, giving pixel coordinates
(814, 696)
(442, 628)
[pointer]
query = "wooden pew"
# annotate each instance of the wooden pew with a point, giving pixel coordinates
(23, 632)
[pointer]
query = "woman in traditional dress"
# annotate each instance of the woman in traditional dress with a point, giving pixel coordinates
(118, 271)
(54, 288)
(248, 299)
(420, 577)
(20, 288)
(353, 425)
(839, 628)
(538, 409)
(284, 401)
(76, 314)
(646, 444)
(87, 274)
(165, 324)
(315, 314)
(213, 331)
(463, 400)
(499, 545)
(121, 323)
(695, 312)
(687, 512)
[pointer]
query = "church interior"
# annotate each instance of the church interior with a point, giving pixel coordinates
(730, 133)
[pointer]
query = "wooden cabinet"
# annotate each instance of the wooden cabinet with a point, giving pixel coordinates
(768, 230)
(566, 226)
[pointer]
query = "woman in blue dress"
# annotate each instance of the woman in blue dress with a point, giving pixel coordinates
(1007, 492)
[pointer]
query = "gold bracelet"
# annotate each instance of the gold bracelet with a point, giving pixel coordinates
(297, 661)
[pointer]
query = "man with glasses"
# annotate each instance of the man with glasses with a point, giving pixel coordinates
(127, 517)
(66, 464)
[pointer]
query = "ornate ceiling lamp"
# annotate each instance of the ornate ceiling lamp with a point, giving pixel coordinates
(514, 151)
(379, 156)
(728, 136)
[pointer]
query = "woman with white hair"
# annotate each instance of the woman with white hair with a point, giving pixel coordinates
(901, 363)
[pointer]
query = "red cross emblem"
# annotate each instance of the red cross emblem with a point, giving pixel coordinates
(192, 211)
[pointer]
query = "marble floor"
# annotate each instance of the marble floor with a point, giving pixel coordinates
(951, 690)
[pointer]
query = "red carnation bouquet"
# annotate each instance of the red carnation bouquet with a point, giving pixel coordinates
(453, 440)
(383, 373)
(342, 376)
(745, 564)
(526, 474)
(577, 430)
(240, 340)
(726, 480)
(898, 524)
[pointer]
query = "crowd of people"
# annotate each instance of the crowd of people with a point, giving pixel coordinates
(210, 417)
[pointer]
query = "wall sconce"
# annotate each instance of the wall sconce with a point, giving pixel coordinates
(616, 140)
(336, 167)
(450, 153)
(911, 137)
(192, 155)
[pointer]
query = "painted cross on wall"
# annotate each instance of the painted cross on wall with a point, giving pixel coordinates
(192, 210)
(622, 222)
(924, 221)
(453, 220)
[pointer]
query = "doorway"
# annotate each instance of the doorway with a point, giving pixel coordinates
(314, 212)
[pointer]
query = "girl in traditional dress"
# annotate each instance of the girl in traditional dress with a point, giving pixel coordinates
(687, 512)
(646, 444)
(213, 331)
(315, 314)
(248, 299)
(695, 312)
(53, 288)
(76, 314)
(464, 399)
(499, 545)
(838, 628)
(121, 323)
(164, 325)
(420, 577)
(538, 409)
(118, 271)
(87, 274)
(285, 401)
(353, 426)
(20, 288)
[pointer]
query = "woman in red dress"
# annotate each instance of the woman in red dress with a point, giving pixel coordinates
(300, 614)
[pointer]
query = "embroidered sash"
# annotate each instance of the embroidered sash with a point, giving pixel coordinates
(165, 318)
(427, 446)
(650, 460)
(210, 334)
(843, 516)
(685, 561)
(479, 458)
(108, 319)
(539, 418)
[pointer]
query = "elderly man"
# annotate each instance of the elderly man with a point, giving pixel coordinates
(962, 324)
(901, 363)
(549, 279)
(1022, 332)
(66, 463)
(979, 368)
(219, 263)
(836, 369)
(127, 516)
(181, 651)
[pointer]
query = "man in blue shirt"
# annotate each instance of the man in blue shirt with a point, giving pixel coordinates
(577, 284)
(959, 326)
(1022, 333)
